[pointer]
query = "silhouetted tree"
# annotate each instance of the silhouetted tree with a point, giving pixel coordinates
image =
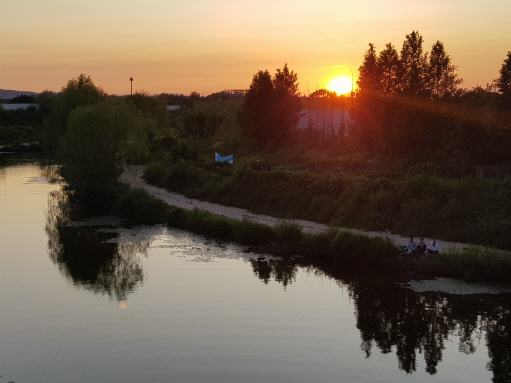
(367, 111)
(22, 99)
(79, 91)
(369, 73)
(151, 106)
(504, 82)
(443, 80)
(413, 71)
(271, 106)
(388, 63)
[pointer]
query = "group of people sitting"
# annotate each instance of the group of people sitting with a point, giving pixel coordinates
(420, 247)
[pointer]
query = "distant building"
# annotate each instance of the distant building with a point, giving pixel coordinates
(18, 106)
(173, 107)
(325, 121)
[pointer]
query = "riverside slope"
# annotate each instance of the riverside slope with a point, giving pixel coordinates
(133, 176)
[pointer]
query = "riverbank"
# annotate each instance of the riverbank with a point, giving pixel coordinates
(322, 245)
(133, 177)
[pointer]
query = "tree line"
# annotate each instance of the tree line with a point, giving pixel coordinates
(410, 107)
(413, 72)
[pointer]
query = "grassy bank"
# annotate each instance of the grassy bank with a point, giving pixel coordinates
(334, 247)
(466, 209)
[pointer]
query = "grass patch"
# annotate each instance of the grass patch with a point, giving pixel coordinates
(475, 263)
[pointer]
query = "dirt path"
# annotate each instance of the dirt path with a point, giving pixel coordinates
(132, 176)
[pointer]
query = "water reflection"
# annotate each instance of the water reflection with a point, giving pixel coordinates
(269, 269)
(396, 319)
(83, 256)
(390, 319)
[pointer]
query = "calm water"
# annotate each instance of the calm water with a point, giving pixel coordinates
(98, 301)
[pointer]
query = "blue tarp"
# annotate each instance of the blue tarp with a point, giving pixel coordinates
(220, 158)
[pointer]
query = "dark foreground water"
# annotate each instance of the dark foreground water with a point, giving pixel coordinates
(99, 301)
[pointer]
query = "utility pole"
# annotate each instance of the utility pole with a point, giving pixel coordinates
(352, 90)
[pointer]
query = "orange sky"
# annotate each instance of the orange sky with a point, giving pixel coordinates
(210, 45)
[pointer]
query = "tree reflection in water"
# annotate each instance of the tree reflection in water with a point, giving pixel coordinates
(388, 316)
(268, 269)
(397, 319)
(83, 257)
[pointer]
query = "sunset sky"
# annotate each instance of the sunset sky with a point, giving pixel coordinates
(210, 45)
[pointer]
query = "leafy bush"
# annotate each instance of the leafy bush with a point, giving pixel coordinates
(177, 217)
(18, 133)
(351, 247)
(251, 233)
(204, 222)
(317, 245)
(139, 205)
(289, 233)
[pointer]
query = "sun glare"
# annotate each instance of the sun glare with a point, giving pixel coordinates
(340, 84)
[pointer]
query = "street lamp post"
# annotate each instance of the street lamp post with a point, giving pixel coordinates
(352, 91)
(131, 80)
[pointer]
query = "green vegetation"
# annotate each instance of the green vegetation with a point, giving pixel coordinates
(332, 247)
(21, 125)
(466, 210)
(271, 106)
(138, 205)
(15, 134)
(284, 239)
(405, 160)
(77, 92)
(472, 263)
(98, 138)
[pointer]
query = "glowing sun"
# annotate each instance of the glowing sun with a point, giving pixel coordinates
(340, 84)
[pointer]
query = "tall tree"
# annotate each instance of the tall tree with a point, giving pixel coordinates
(99, 137)
(256, 116)
(413, 66)
(271, 106)
(369, 73)
(443, 80)
(504, 82)
(287, 103)
(77, 92)
(388, 63)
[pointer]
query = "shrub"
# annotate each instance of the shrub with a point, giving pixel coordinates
(352, 247)
(177, 217)
(289, 233)
(251, 233)
(317, 245)
(153, 173)
(204, 222)
(139, 205)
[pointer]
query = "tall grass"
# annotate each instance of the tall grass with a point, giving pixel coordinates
(475, 263)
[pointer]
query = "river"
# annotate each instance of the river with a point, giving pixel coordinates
(99, 300)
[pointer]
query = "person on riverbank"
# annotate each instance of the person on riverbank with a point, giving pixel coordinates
(433, 248)
(411, 248)
(421, 246)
